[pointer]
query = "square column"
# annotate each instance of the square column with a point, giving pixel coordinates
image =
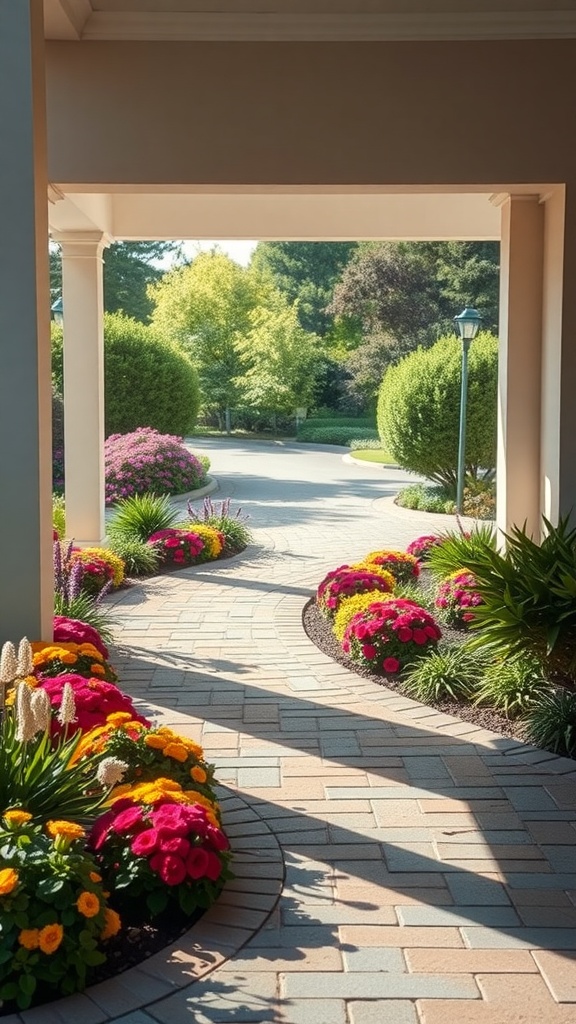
(519, 369)
(26, 576)
(82, 302)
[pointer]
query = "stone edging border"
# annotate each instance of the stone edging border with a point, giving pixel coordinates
(245, 904)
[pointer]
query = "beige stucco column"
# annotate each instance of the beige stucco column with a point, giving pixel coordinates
(82, 302)
(26, 574)
(522, 255)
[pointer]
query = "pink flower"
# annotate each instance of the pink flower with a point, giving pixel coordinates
(420, 637)
(127, 821)
(369, 651)
(146, 842)
(391, 664)
(213, 867)
(175, 844)
(197, 862)
(217, 838)
(171, 868)
(404, 634)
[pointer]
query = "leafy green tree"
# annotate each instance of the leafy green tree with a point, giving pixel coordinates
(148, 381)
(306, 273)
(412, 290)
(365, 367)
(205, 307)
(280, 360)
(129, 267)
(419, 409)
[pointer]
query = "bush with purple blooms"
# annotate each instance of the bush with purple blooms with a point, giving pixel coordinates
(457, 597)
(147, 461)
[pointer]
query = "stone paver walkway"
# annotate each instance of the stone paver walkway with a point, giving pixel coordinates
(429, 864)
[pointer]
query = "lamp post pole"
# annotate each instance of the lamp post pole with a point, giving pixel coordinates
(468, 324)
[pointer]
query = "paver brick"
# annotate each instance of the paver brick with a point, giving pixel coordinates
(405, 937)
(470, 961)
(559, 973)
(380, 986)
(459, 1011)
(380, 1011)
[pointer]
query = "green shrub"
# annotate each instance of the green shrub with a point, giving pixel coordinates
(424, 498)
(419, 409)
(138, 517)
(338, 421)
(148, 382)
(458, 550)
(59, 515)
(529, 596)
(336, 434)
(552, 722)
(512, 685)
(140, 559)
(450, 673)
(365, 444)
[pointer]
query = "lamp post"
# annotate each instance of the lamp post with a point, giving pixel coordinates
(468, 324)
(57, 311)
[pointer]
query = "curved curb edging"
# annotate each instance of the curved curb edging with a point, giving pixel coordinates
(244, 906)
(208, 488)
(366, 462)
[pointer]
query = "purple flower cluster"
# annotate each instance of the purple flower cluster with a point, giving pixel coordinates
(147, 461)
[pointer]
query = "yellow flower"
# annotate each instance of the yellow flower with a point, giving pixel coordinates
(8, 881)
(118, 718)
(91, 651)
(88, 904)
(50, 938)
(193, 748)
(95, 877)
(67, 829)
(68, 659)
(198, 774)
(17, 817)
(29, 938)
(176, 750)
(156, 742)
(112, 924)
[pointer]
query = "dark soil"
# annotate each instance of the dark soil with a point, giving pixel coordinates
(319, 631)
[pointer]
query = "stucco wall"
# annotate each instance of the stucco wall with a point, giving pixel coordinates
(388, 113)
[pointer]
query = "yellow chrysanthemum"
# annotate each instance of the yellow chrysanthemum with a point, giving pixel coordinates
(118, 718)
(177, 751)
(112, 924)
(50, 938)
(17, 817)
(68, 658)
(90, 651)
(88, 904)
(192, 747)
(8, 881)
(29, 938)
(156, 742)
(66, 829)
(198, 774)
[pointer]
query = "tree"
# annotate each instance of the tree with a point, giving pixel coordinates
(205, 308)
(129, 267)
(365, 367)
(419, 409)
(412, 290)
(305, 272)
(148, 382)
(280, 360)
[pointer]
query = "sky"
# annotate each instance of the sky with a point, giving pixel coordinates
(240, 251)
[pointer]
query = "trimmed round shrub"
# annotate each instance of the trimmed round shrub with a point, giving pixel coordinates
(457, 596)
(147, 461)
(348, 580)
(148, 381)
(403, 567)
(390, 634)
(419, 409)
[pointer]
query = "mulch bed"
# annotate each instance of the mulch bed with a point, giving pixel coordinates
(318, 629)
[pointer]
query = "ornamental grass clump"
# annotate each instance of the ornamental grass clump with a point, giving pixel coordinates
(54, 910)
(147, 461)
(403, 566)
(347, 580)
(390, 634)
(231, 525)
(456, 597)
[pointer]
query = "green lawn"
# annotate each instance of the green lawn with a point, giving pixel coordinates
(374, 455)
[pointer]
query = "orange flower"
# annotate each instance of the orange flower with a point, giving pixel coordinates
(198, 774)
(97, 670)
(176, 750)
(67, 829)
(118, 718)
(29, 938)
(88, 904)
(112, 924)
(68, 659)
(8, 881)
(156, 742)
(95, 877)
(17, 817)
(50, 938)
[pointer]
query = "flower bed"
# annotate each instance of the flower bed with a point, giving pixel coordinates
(105, 821)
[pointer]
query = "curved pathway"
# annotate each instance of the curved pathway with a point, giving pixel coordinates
(429, 864)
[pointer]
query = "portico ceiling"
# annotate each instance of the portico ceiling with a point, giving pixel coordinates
(313, 20)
